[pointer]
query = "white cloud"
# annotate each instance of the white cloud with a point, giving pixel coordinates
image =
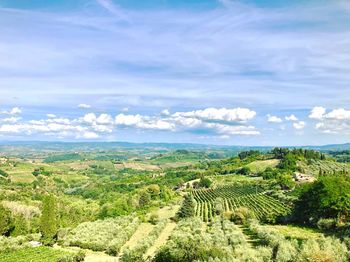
(299, 125)
(128, 120)
(51, 115)
(84, 106)
(338, 114)
(125, 109)
(317, 112)
(292, 117)
(89, 118)
(273, 119)
(220, 114)
(337, 121)
(165, 112)
(104, 119)
(143, 122)
(233, 130)
(15, 111)
(89, 135)
(11, 119)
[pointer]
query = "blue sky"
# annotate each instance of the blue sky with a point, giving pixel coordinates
(219, 72)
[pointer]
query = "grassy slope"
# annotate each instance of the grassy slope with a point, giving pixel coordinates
(261, 165)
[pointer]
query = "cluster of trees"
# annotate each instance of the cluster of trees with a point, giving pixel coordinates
(281, 152)
(328, 197)
(16, 225)
(41, 171)
(249, 154)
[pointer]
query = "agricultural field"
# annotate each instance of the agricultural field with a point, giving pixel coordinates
(232, 197)
(165, 206)
(261, 165)
(317, 167)
(44, 254)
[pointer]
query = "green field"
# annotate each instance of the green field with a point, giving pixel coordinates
(37, 254)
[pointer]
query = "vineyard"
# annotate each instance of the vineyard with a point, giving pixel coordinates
(43, 254)
(233, 197)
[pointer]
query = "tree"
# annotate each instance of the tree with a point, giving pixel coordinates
(289, 162)
(188, 207)
(5, 220)
(205, 182)
(3, 173)
(145, 198)
(20, 226)
(48, 220)
(328, 197)
(244, 171)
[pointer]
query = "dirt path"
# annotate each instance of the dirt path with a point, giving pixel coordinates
(99, 257)
(143, 230)
(163, 237)
(251, 238)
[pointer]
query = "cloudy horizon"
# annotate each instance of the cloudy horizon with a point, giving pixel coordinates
(209, 72)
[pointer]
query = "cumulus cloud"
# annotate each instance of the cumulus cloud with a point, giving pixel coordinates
(221, 121)
(233, 130)
(143, 122)
(273, 119)
(215, 122)
(165, 112)
(12, 119)
(317, 112)
(84, 106)
(220, 114)
(13, 111)
(292, 117)
(336, 121)
(299, 125)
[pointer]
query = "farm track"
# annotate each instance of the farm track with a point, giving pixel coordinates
(250, 236)
(143, 230)
(161, 240)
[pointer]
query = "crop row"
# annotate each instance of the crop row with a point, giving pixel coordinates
(233, 197)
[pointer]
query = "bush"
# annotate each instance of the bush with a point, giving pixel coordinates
(242, 215)
(77, 257)
(5, 220)
(154, 218)
(103, 235)
(326, 223)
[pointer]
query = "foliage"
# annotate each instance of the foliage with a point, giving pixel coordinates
(5, 220)
(328, 197)
(234, 196)
(8, 244)
(3, 173)
(205, 182)
(242, 215)
(48, 220)
(188, 207)
(102, 235)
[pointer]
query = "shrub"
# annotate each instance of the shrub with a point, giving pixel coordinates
(154, 218)
(326, 223)
(103, 235)
(242, 215)
(5, 220)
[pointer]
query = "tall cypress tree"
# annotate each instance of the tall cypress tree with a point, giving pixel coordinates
(188, 207)
(48, 220)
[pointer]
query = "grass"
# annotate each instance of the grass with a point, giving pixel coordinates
(223, 179)
(260, 165)
(42, 254)
(296, 232)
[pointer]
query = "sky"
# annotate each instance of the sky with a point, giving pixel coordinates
(249, 72)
